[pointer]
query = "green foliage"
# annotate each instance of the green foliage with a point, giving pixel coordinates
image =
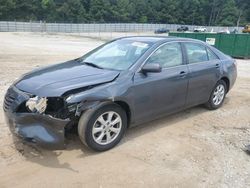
(71, 11)
(194, 12)
(48, 7)
(229, 14)
(6, 6)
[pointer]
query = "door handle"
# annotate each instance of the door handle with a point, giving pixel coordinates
(182, 74)
(217, 65)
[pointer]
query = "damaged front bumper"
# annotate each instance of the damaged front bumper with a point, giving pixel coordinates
(44, 130)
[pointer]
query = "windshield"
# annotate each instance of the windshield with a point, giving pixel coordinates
(117, 55)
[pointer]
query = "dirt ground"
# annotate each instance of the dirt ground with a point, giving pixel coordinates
(193, 148)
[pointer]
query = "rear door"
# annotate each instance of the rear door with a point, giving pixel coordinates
(164, 92)
(204, 68)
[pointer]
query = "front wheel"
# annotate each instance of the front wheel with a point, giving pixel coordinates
(217, 96)
(102, 128)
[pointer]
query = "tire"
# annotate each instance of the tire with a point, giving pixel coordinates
(90, 122)
(212, 104)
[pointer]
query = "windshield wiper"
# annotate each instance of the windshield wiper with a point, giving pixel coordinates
(92, 65)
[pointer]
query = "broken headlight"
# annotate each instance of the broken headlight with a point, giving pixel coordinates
(37, 104)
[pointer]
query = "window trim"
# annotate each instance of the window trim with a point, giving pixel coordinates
(208, 49)
(163, 68)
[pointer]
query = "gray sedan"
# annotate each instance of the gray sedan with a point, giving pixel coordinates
(120, 84)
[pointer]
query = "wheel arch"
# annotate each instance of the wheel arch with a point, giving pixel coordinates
(125, 106)
(98, 104)
(227, 81)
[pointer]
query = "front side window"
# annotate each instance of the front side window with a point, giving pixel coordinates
(117, 55)
(168, 55)
(196, 53)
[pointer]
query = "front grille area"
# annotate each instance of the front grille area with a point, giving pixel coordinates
(14, 98)
(8, 101)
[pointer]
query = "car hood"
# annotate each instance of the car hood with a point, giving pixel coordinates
(61, 78)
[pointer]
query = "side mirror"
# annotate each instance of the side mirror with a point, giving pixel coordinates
(151, 67)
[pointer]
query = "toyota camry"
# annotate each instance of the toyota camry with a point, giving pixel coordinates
(123, 83)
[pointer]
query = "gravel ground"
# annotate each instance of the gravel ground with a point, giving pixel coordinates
(193, 148)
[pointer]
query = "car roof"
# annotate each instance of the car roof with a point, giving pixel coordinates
(157, 39)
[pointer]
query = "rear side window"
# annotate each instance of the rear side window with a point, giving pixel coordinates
(196, 53)
(211, 55)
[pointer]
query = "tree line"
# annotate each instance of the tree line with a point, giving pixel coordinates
(192, 12)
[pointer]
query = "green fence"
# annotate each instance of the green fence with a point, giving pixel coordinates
(235, 45)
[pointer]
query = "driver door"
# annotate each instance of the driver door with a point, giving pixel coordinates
(156, 94)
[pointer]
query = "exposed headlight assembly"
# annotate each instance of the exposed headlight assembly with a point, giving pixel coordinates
(37, 104)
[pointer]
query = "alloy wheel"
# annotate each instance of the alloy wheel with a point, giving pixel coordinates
(218, 94)
(107, 127)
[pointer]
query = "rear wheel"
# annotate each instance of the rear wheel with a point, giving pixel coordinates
(102, 128)
(217, 96)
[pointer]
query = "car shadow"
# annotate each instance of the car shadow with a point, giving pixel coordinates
(159, 123)
(50, 158)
